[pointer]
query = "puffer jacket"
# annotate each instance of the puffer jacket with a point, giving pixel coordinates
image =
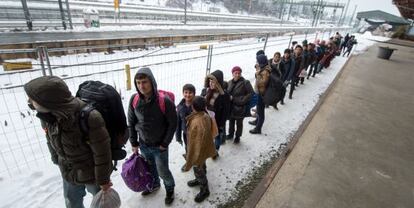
(82, 159)
(241, 91)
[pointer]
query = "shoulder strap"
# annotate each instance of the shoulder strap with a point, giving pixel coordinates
(161, 101)
(135, 101)
(83, 118)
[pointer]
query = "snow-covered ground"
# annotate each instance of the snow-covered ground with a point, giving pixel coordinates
(37, 183)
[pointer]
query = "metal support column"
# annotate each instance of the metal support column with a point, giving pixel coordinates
(185, 12)
(27, 15)
(62, 14)
(267, 37)
(209, 57)
(69, 14)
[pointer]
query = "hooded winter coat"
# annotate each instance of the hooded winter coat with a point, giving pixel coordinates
(221, 99)
(80, 161)
(200, 135)
(262, 79)
(146, 122)
(241, 91)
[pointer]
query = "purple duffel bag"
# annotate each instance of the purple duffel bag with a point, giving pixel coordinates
(136, 173)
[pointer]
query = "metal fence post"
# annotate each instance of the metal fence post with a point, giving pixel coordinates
(290, 41)
(46, 54)
(40, 56)
(267, 37)
(128, 76)
(209, 57)
(306, 34)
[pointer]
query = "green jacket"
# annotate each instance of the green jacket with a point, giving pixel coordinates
(81, 160)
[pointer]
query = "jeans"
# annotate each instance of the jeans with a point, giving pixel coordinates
(219, 138)
(74, 194)
(239, 125)
(158, 164)
(260, 108)
(312, 71)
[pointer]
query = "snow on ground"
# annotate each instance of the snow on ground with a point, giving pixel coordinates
(39, 185)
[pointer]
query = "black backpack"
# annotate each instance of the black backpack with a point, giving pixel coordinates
(107, 101)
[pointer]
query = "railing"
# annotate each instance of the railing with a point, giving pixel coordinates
(22, 141)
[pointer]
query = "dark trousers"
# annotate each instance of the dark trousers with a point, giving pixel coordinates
(219, 138)
(283, 94)
(200, 173)
(347, 51)
(312, 70)
(239, 126)
(260, 111)
(292, 87)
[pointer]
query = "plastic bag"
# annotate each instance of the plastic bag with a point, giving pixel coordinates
(136, 173)
(108, 199)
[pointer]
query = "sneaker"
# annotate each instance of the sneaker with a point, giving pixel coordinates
(193, 183)
(169, 198)
(255, 131)
(236, 140)
(148, 192)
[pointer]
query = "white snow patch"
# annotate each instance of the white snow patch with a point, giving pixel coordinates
(40, 185)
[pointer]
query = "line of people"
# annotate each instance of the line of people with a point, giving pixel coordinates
(198, 122)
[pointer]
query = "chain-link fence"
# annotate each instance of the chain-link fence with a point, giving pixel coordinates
(22, 143)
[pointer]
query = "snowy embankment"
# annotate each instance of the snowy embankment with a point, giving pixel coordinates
(42, 187)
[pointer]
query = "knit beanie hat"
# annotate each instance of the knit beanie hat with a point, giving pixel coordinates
(262, 60)
(260, 52)
(236, 68)
(48, 91)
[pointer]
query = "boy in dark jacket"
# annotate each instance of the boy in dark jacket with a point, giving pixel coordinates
(288, 64)
(183, 110)
(154, 128)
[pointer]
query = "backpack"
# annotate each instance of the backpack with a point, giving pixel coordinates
(161, 99)
(136, 173)
(105, 99)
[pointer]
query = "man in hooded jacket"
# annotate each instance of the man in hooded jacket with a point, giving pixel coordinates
(82, 164)
(151, 130)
